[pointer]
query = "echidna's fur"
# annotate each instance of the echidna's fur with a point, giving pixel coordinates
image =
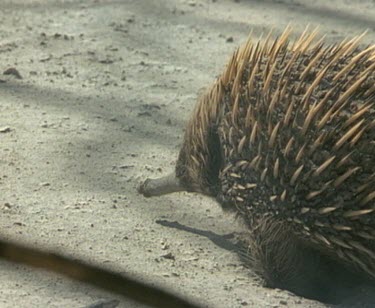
(286, 137)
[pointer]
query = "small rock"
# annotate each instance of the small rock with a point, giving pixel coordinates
(164, 246)
(5, 129)
(13, 71)
(169, 256)
(21, 224)
(46, 59)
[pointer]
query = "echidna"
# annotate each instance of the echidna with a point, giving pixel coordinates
(286, 137)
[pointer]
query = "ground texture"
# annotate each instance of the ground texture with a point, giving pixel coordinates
(94, 99)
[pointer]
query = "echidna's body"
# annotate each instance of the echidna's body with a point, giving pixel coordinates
(286, 136)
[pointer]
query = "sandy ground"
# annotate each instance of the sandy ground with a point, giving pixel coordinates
(104, 92)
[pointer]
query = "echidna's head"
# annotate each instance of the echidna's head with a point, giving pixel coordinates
(200, 158)
(199, 161)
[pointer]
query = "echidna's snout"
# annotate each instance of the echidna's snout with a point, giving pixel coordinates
(160, 186)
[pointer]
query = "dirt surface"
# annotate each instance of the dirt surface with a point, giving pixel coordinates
(94, 99)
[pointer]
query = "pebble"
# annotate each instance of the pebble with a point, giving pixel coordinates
(5, 129)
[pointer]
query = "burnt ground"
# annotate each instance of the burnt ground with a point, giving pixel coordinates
(102, 94)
